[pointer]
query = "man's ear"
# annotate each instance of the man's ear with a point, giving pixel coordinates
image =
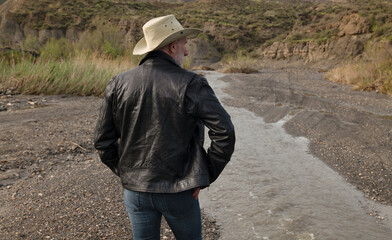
(173, 47)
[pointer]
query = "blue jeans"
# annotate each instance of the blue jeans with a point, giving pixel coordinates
(181, 211)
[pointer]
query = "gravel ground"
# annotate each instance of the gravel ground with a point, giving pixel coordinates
(349, 130)
(52, 183)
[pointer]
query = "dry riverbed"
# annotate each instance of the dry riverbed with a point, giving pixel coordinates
(52, 184)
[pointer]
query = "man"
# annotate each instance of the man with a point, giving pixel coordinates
(150, 133)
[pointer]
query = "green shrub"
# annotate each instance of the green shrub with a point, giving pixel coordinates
(105, 39)
(268, 43)
(203, 36)
(31, 43)
(296, 37)
(57, 49)
(240, 62)
(244, 69)
(109, 49)
(11, 57)
(389, 39)
(378, 30)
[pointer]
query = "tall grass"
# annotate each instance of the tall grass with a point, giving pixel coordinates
(80, 75)
(79, 68)
(240, 62)
(372, 73)
(105, 38)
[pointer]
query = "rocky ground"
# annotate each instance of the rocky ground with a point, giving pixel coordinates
(52, 185)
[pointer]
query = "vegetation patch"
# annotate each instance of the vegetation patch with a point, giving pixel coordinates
(80, 75)
(229, 24)
(386, 117)
(243, 69)
(372, 73)
(240, 62)
(61, 66)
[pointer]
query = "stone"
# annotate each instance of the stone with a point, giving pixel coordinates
(353, 24)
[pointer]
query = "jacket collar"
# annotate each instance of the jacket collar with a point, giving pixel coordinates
(158, 55)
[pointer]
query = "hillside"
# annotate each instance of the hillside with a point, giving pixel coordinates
(310, 31)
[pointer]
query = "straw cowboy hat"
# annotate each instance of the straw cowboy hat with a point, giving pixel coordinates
(161, 31)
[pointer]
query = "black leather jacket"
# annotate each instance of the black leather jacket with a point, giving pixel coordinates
(150, 128)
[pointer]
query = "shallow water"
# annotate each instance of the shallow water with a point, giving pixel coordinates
(274, 189)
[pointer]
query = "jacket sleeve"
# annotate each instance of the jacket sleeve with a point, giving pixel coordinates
(105, 135)
(202, 103)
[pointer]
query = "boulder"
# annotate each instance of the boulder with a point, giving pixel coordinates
(29, 31)
(10, 31)
(352, 25)
(72, 34)
(46, 34)
(202, 53)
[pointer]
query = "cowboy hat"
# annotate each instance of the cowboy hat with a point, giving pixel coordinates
(159, 32)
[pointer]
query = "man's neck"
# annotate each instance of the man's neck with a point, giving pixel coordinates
(166, 50)
(157, 53)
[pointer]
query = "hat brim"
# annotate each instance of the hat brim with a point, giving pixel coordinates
(141, 47)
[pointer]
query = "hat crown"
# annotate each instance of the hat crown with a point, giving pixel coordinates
(160, 28)
(160, 31)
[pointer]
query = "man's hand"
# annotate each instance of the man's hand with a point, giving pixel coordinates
(196, 193)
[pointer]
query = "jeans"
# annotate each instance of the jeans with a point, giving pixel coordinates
(181, 211)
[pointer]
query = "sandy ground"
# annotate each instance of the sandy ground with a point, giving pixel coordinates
(53, 186)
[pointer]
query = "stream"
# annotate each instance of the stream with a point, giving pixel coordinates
(274, 189)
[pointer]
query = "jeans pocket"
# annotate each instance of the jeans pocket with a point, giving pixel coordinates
(179, 204)
(132, 201)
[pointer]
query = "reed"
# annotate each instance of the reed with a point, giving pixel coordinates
(84, 74)
(61, 66)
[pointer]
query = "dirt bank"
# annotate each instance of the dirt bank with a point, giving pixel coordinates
(349, 130)
(52, 185)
